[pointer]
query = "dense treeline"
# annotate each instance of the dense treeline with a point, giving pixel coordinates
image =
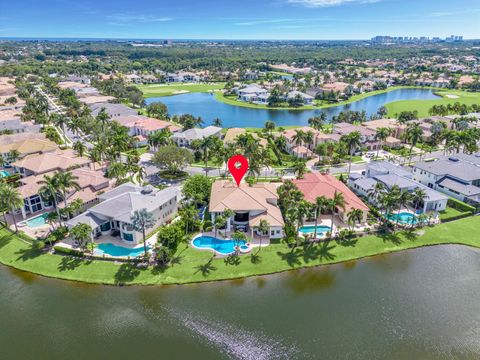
(49, 57)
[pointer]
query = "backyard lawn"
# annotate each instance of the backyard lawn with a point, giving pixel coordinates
(157, 90)
(192, 265)
(422, 106)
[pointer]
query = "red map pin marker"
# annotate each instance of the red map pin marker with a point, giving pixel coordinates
(238, 166)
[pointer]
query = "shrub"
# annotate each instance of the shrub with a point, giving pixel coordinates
(460, 206)
(68, 251)
(163, 256)
(38, 245)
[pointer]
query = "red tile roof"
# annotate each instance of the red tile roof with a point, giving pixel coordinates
(314, 185)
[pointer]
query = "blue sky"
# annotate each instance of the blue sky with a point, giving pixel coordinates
(239, 19)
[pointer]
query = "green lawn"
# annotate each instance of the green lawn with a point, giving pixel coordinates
(157, 90)
(451, 213)
(231, 100)
(422, 106)
(192, 265)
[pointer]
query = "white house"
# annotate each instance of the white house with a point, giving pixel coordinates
(390, 175)
(186, 137)
(114, 212)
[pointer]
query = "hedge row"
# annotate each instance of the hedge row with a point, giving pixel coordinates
(68, 251)
(461, 206)
(457, 217)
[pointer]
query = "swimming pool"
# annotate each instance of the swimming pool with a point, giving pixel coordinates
(37, 221)
(403, 218)
(310, 229)
(224, 247)
(4, 173)
(119, 251)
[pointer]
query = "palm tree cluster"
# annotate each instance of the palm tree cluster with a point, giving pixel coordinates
(455, 108)
(296, 209)
(58, 187)
(394, 199)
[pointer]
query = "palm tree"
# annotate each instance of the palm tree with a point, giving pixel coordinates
(103, 118)
(402, 200)
(82, 233)
(10, 200)
(309, 138)
(353, 142)
(217, 122)
(141, 221)
(51, 219)
(50, 191)
(263, 227)
(59, 120)
(382, 135)
(321, 203)
(338, 201)
(220, 221)
(299, 137)
(13, 155)
(116, 170)
(66, 181)
(354, 216)
(80, 148)
(377, 190)
(299, 167)
(317, 121)
(418, 196)
(269, 126)
(188, 214)
(207, 146)
(413, 134)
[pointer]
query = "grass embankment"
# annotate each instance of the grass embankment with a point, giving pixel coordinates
(423, 106)
(192, 265)
(158, 90)
(231, 100)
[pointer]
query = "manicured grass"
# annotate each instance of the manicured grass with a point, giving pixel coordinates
(157, 90)
(451, 213)
(422, 106)
(231, 100)
(193, 265)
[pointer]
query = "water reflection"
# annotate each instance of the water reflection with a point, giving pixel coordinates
(311, 279)
(418, 304)
(205, 106)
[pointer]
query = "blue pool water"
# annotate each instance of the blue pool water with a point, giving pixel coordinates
(224, 247)
(37, 221)
(118, 251)
(310, 229)
(4, 173)
(403, 218)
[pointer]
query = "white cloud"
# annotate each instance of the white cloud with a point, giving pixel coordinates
(268, 21)
(452, 13)
(328, 3)
(142, 18)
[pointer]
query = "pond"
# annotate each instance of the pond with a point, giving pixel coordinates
(208, 108)
(418, 304)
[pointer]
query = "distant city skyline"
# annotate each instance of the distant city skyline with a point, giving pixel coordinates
(248, 19)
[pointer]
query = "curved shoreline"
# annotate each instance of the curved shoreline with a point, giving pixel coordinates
(17, 254)
(221, 98)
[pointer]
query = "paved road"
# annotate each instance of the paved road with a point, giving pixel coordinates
(55, 108)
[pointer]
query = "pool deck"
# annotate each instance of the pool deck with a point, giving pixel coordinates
(255, 242)
(39, 232)
(338, 225)
(108, 239)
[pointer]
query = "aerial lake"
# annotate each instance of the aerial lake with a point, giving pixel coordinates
(208, 108)
(417, 304)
